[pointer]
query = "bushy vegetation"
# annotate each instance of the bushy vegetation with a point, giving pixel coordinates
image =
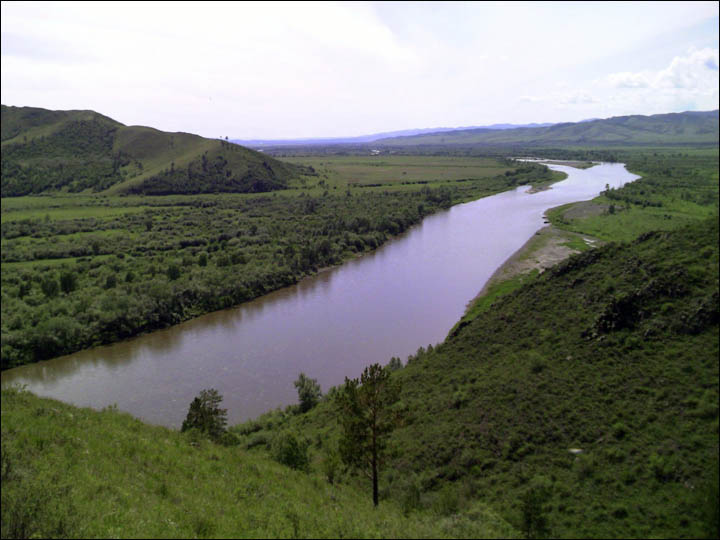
(74, 151)
(580, 402)
(81, 271)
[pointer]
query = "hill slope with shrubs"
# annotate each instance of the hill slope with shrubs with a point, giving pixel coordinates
(74, 151)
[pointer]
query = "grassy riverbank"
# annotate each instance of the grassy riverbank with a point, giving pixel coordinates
(657, 201)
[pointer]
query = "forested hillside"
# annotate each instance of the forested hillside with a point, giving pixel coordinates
(75, 151)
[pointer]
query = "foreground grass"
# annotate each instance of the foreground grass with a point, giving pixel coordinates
(71, 472)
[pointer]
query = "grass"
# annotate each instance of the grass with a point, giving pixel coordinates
(71, 472)
(387, 169)
(71, 212)
(613, 352)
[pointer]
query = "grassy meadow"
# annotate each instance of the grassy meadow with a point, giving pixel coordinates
(398, 169)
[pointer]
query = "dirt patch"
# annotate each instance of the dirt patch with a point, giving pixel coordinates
(584, 210)
(546, 248)
(576, 164)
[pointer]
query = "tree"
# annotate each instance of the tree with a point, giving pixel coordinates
(532, 505)
(206, 415)
(50, 286)
(308, 392)
(173, 272)
(68, 281)
(367, 418)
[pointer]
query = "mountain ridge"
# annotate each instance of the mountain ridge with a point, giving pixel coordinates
(690, 127)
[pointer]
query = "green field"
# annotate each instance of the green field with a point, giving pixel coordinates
(390, 169)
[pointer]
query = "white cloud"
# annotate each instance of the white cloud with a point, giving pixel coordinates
(696, 71)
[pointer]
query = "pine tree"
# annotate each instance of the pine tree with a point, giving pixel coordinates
(367, 418)
(206, 415)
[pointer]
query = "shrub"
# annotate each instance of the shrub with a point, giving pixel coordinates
(288, 450)
(308, 392)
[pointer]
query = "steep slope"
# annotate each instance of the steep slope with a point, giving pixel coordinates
(73, 151)
(674, 128)
(613, 353)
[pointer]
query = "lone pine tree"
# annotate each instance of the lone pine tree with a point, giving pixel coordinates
(367, 418)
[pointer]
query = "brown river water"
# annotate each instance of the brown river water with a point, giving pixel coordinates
(406, 294)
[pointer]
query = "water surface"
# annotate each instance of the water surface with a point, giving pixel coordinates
(406, 294)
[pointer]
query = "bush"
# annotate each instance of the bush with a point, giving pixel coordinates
(308, 392)
(291, 452)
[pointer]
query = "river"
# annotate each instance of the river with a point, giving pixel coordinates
(406, 294)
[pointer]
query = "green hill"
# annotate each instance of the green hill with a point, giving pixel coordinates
(74, 151)
(675, 128)
(77, 473)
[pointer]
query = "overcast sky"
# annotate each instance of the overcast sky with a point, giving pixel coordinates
(276, 70)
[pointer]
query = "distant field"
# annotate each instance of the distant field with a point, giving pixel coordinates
(368, 170)
(67, 212)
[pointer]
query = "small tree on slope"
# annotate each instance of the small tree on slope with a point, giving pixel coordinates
(367, 418)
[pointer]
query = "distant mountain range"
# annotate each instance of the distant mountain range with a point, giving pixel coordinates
(362, 139)
(74, 151)
(695, 127)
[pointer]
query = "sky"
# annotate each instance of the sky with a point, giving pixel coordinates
(274, 70)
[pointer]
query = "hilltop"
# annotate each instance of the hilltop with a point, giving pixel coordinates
(667, 129)
(76, 151)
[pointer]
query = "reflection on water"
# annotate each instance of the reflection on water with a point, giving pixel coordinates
(406, 294)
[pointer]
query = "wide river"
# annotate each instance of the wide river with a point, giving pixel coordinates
(404, 295)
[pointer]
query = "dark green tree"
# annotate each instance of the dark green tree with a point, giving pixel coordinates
(173, 272)
(367, 418)
(50, 286)
(308, 392)
(206, 415)
(532, 505)
(111, 281)
(291, 451)
(68, 281)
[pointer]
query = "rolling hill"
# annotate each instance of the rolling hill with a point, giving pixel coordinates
(699, 127)
(74, 151)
